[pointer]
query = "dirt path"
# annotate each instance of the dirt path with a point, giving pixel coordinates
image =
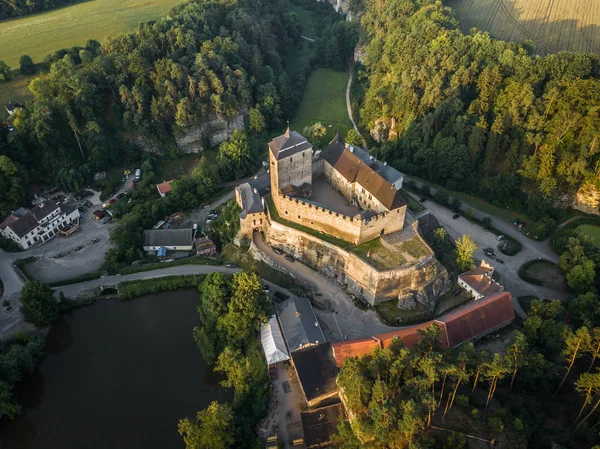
(349, 107)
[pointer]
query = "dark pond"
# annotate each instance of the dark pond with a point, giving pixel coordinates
(117, 374)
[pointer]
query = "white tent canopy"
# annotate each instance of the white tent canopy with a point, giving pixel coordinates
(272, 342)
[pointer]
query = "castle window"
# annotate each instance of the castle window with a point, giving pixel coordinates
(286, 212)
(298, 217)
(254, 222)
(370, 197)
(363, 190)
(312, 222)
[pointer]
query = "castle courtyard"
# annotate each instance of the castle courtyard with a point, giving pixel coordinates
(324, 194)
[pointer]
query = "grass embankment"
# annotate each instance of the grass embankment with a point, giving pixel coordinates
(324, 101)
(132, 289)
(542, 272)
(390, 314)
(40, 34)
(591, 230)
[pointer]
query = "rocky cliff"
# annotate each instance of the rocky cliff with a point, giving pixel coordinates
(587, 199)
(209, 133)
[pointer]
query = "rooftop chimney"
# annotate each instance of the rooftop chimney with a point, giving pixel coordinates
(255, 191)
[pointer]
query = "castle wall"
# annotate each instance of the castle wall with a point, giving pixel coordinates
(419, 284)
(388, 221)
(252, 222)
(338, 182)
(318, 218)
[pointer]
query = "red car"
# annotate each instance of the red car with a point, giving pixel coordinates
(133, 185)
(112, 201)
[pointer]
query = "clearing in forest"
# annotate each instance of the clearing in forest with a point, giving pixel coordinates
(552, 25)
(40, 34)
(324, 101)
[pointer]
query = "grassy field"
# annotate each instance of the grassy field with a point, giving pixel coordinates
(43, 33)
(592, 230)
(324, 101)
(552, 25)
(543, 272)
(14, 90)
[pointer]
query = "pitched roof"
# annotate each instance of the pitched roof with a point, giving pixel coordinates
(478, 318)
(320, 424)
(388, 172)
(473, 320)
(299, 323)
(251, 198)
(9, 220)
(480, 279)
(24, 225)
(164, 187)
(272, 342)
(288, 144)
(168, 237)
(44, 209)
(354, 169)
(317, 371)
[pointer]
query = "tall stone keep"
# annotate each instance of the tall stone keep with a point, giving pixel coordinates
(290, 159)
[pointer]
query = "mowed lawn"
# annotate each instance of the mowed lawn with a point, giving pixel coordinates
(16, 90)
(592, 230)
(41, 34)
(324, 101)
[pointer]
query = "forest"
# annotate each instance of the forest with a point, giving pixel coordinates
(18, 8)
(477, 114)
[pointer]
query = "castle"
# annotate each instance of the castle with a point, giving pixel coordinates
(341, 211)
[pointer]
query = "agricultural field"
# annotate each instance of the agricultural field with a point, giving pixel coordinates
(552, 25)
(41, 34)
(324, 101)
(16, 90)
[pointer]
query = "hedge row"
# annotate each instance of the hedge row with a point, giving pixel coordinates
(160, 265)
(525, 276)
(132, 289)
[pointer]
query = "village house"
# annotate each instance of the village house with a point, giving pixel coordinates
(205, 247)
(40, 224)
(164, 188)
(13, 106)
(170, 239)
(478, 282)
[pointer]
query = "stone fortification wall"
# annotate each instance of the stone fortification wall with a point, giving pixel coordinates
(388, 222)
(419, 284)
(318, 218)
(294, 170)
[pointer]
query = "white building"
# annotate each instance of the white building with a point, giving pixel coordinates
(478, 282)
(40, 224)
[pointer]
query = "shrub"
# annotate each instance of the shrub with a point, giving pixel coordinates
(26, 65)
(128, 290)
(441, 196)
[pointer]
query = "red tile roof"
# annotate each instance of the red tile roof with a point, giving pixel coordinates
(480, 279)
(465, 323)
(164, 187)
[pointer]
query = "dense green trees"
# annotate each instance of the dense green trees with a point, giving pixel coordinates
(213, 428)
(477, 114)
(26, 65)
(231, 311)
(18, 8)
(38, 304)
(465, 248)
(5, 72)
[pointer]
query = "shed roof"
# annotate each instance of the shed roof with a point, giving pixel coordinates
(272, 342)
(252, 200)
(288, 144)
(320, 424)
(316, 370)
(354, 169)
(168, 237)
(299, 323)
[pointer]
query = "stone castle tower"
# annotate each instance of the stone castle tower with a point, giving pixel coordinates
(290, 161)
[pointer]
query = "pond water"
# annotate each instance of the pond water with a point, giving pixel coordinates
(117, 374)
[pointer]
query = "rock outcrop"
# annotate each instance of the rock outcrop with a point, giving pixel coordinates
(209, 133)
(587, 199)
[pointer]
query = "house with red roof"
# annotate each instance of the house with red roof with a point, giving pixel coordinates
(164, 188)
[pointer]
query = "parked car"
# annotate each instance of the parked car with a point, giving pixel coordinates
(456, 292)
(455, 216)
(231, 265)
(214, 212)
(521, 225)
(120, 195)
(112, 201)
(105, 205)
(500, 237)
(138, 175)
(277, 251)
(88, 203)
(81, 209)
(499, 260)
(489, 253)
(289, 258)
(516, 222)
(486, 250)
(422, 200)
(133, 184)
(265, 288)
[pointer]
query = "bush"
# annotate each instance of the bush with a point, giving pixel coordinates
(509, 246)
(26, 65)
(38, 304)
(128, 290)
(441, 196)
(78, 279)
(525, 276)
(9, 246)
(542, 228)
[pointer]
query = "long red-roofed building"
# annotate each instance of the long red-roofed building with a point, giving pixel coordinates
(471, 321)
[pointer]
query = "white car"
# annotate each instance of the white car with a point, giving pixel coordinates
(500, 237)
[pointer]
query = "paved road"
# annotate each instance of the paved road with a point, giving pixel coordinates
(508, 271)
(346, 320)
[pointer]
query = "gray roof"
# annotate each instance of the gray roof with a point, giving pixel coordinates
(21, 211)
(24, 225)
(288, 144)
(44, 209)
(390, 174)
(299, 323)
(251, 201)
(169, 237)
